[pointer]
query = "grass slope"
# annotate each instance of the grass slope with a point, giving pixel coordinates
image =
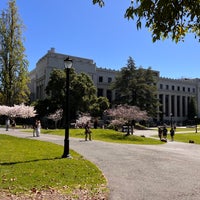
(27, 165)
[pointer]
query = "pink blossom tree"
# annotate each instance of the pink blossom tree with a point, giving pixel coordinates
(21, 111)
(125, 114)
(82, 120)
(56, 116)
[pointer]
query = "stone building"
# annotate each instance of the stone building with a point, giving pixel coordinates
(173, 94)
(39, 76)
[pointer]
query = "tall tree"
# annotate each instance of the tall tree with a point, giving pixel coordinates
(165, 18)
(137, 87)
(13, 63)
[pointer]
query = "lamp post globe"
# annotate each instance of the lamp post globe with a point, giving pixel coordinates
(68, 65)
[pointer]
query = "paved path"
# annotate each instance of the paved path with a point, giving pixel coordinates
(141, 172)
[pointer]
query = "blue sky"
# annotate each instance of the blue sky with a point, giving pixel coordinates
(81, 29)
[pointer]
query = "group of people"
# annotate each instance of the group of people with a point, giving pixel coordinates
(162, 133)
(36, 128)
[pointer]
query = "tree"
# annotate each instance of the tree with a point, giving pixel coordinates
(13, 64)
(82, 120)
(99, 105)
(171, 18)
(21, 111)
(137, 87)
(82, 92)
(56, 116)
(125, 114)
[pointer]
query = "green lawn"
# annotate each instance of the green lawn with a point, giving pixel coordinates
(188, 136)
(106, 135)
(27, 165)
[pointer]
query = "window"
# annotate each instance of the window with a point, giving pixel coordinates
(183, 89)
(173, 87)
(161, 86)
(100, 92)
(167, 87)
(109, 95)
(109, 79)
(178, 88)
(100, 79)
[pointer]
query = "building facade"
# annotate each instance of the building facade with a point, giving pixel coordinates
(39, 76)
(173, 94)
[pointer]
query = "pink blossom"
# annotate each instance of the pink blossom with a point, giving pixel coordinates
(125, 113)
(22, 111)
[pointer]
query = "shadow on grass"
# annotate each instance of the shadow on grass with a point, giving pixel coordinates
(29, 161)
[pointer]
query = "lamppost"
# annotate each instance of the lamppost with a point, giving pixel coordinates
(171, 119)
(195, 119)
(68, 64)
(47, 117)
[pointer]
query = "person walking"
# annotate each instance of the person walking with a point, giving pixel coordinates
(7, 124)
(160, 132)
(13, 124)
(87, 132)
(172, 132)
(165, 131)
(38, 127)
(34, 128)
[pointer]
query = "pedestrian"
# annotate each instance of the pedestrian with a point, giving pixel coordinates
(34, 128)
(38, 127)
(165, 131)
(13, 124)
(160, 132)
(7, 123)
(172, 132)
(87, 132)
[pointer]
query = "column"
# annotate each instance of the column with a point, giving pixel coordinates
(175, 106)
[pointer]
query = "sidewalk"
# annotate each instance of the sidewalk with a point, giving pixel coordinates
(139, 172)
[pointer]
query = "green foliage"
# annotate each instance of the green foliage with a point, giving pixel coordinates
(82, 93)
(186, 137)
(137, 87)
(26, 164)
(56, 86)
(100, 2)
(99, 106)
(13, 63)
(43, 107)
(165, 19)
